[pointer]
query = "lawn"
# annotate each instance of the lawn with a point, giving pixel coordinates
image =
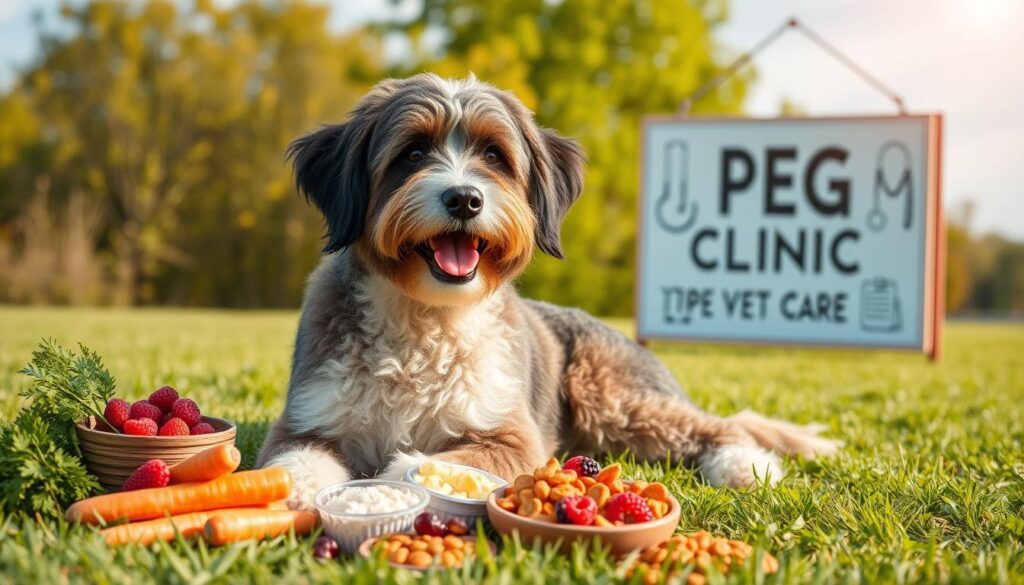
(928, 487)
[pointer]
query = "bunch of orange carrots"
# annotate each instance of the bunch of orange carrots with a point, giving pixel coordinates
(205, 499)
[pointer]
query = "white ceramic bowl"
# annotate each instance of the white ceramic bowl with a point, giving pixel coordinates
(447, 507)
(350, 530)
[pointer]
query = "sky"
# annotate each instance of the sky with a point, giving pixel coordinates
(958, 57)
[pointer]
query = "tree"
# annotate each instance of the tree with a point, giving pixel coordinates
(173, 124)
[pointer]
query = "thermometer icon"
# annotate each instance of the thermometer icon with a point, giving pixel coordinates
(892, 151)
(679, 217)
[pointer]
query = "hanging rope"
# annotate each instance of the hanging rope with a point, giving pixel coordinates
(822, 44)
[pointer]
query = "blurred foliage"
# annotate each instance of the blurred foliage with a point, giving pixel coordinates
(146, 141)
(171, 123)
(984, 274)
(141, 153)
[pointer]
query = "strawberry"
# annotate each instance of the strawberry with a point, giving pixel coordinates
(143, 409)
(164, 398)
(187, 411)
(202, 429)
(580, 510)
(116, 412)
(151, 474)
(629, 508)
(140, 426)
(174, 428)
(583, 466)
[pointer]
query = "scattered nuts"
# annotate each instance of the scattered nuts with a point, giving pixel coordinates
(424, 550)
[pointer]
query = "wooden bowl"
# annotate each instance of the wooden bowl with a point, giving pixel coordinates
(112, 457)
(622, 539)
(366, 551)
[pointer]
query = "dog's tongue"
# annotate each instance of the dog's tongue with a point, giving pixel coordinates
(455, 253)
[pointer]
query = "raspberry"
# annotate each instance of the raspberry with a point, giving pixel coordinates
(629, 508)
(143, 409)
(579, 510)
(164, 398)
(174, 428)
(116, 412)
(202, 429)
(583, 466)
(151, 474)
(140, 426)
(187, 411)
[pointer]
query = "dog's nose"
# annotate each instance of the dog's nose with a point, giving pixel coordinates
(463, 202)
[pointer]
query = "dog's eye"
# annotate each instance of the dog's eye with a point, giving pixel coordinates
(415, 154)
(492, 155)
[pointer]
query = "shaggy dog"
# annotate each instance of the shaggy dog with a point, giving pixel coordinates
(413, 343)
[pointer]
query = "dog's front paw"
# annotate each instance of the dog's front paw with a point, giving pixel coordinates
(740, 466)
(311, 469)
(401, 463)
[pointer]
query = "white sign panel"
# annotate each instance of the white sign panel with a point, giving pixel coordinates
(806, 231)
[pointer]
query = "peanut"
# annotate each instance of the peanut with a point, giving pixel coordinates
(656, 491)
(399, 556)
(658, 508)
(561, 491)
(506, 504)
(600, 494)
(609, 474)
(530, 508)
(453, 542)
(522, 482)
(541, 488)
(419, 558)
(562, 477)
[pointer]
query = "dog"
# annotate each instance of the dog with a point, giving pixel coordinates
(413, 343)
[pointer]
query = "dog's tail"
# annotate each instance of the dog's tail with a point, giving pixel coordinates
(784, 437)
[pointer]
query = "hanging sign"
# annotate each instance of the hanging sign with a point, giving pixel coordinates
(816, 231)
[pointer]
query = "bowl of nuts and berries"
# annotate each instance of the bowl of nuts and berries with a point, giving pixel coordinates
(581, 502)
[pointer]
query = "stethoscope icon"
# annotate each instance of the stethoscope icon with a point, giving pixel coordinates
(876, 217)
(683, 209)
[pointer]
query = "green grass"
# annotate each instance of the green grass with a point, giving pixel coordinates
(929, 486)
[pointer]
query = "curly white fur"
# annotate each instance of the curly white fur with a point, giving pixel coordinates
(311, 469)
(740, 466)
(411, 378)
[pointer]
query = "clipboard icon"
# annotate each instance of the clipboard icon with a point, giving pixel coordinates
(880, 305)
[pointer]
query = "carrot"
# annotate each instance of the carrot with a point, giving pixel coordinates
(257, 524)
(207, 464)
(246, 488)
(149, 531)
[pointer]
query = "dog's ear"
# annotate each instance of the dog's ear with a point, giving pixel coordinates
(556, 184)
(331, 171)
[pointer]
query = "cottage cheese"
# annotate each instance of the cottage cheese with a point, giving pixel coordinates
(377, 499)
